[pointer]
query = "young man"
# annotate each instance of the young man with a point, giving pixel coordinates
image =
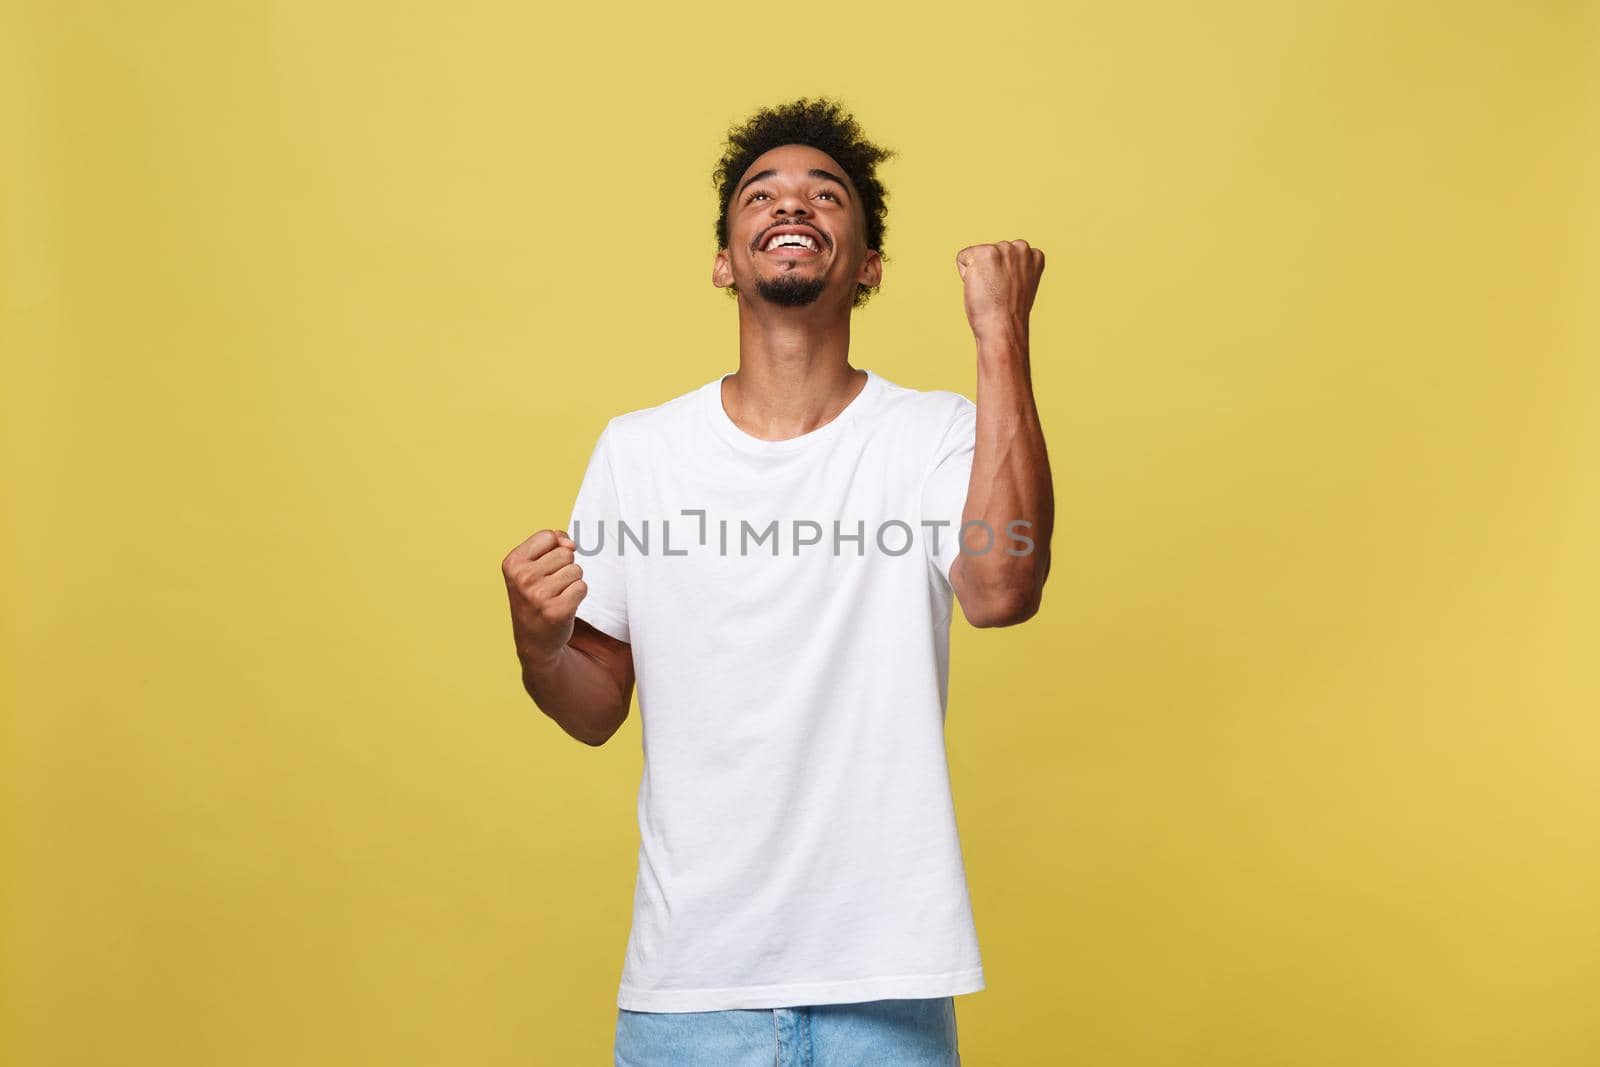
(775, 554)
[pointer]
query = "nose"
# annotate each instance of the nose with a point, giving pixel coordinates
(789, 204)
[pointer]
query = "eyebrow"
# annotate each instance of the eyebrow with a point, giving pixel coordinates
(770, 172)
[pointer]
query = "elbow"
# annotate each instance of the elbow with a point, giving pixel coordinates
(584, 729)
(1025, 609)
(596, 739)
(1006, 610)
(1005, 603)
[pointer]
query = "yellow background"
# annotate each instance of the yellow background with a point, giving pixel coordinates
(313, 310)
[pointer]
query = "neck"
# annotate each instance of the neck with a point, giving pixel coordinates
(794, 370)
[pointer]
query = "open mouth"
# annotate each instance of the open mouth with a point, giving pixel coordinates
(792, 246)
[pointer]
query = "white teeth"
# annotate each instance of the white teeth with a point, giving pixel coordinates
(796, 239)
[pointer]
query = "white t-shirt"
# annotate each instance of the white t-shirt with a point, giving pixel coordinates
(798, 838)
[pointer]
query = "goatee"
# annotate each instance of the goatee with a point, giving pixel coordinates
(790, 289)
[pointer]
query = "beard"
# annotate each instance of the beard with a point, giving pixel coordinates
(790, 289)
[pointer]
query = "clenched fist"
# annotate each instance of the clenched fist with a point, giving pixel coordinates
(546, 586)
(1000, 282)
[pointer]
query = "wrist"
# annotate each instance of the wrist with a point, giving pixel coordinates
(539, 660)
(1001, 332)
(1003, 350)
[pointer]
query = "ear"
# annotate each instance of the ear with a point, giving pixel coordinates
(721, 270)
(871, 270)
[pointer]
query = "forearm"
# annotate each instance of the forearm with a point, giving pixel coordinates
(576, 691)
(1010, 482)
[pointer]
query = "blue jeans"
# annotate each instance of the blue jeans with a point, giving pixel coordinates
(872, 1033)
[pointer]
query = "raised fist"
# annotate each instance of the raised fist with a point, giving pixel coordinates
(545, 585)
(1000, 282)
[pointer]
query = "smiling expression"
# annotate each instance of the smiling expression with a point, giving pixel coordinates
(796, 231)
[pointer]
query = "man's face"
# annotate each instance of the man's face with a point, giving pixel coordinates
(796, 232)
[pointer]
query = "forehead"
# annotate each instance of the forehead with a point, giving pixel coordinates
(794, 160)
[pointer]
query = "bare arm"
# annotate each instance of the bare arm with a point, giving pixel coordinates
(586, 686)
(1010, 489)
(580, 677)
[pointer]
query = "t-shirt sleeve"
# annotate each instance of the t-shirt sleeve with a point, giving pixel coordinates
(595, 515)
(944, 494)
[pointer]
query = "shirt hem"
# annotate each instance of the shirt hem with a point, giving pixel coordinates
(948, 984)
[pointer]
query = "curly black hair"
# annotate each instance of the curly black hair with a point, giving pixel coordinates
(825, 125)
